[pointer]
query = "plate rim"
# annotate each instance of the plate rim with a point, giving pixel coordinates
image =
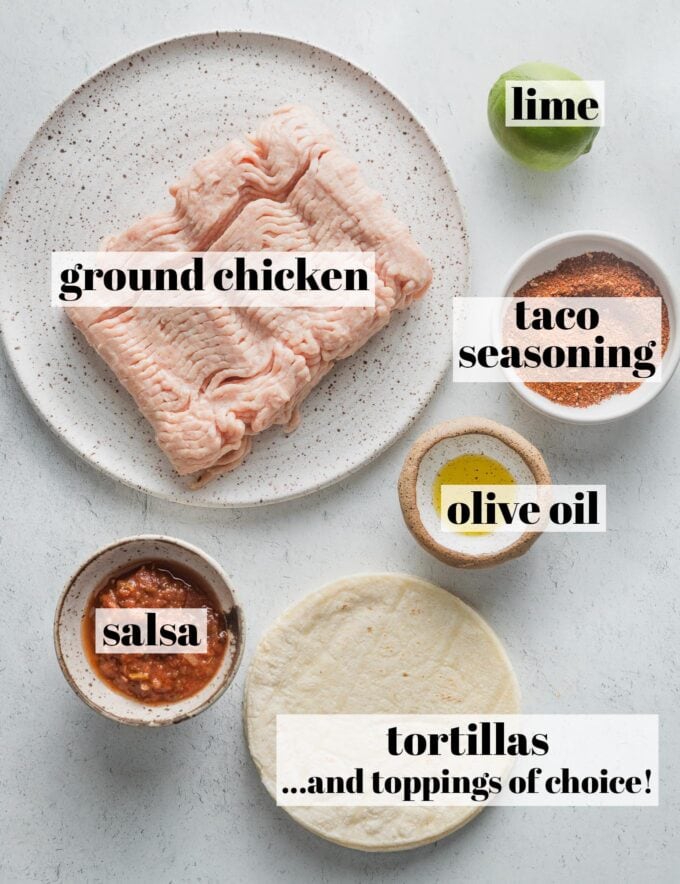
(318, 485)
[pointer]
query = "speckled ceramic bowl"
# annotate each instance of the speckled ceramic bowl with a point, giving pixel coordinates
(115, 559)
(469, 435)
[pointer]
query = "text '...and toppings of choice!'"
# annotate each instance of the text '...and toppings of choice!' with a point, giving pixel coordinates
(467, 760)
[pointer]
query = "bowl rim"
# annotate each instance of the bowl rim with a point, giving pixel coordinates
(408, 481)
(133, 721)
(631, 404)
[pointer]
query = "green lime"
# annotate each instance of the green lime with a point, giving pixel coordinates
(541, 147)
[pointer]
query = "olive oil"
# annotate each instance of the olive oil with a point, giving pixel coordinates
(470, 469)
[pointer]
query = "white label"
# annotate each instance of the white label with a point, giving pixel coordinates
(554, 103)
(151, 630)
(557, 340)
(213, 279)
(523, 508)
(467, 760)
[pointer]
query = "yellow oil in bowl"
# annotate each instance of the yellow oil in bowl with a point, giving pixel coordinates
(470, 469)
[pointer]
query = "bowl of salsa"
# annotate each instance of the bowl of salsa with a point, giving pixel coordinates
(148, 631)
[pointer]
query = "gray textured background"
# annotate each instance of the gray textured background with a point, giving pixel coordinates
(590, 622)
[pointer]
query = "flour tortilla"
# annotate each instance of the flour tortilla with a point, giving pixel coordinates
(344, 649)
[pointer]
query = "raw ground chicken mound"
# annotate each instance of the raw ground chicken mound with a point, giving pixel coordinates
(208, 380)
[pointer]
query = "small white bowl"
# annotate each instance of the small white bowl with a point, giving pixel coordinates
(545, 257)
(68, 623)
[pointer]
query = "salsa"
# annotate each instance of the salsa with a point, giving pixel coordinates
(157, 678)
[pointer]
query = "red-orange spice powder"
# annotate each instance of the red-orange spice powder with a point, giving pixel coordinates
(595, 275)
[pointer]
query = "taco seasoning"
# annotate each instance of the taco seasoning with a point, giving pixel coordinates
(157, 678)
(595, 275)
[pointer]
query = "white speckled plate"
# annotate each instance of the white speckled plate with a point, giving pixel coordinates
(108, 155)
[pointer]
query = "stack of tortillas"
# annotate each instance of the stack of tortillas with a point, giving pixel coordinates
(379, 643)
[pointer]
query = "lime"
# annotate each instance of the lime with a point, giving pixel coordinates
(541, 147)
